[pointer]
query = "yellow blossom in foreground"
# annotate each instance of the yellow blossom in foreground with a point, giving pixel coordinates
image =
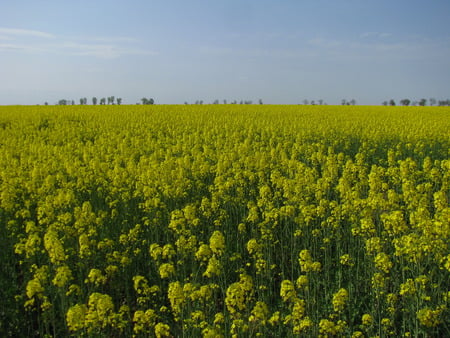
(63, 276)
(382, 262)
(217, 243)
(203, 253)
(340, 299)
(367, 319)
(430, 318)
(214, 268)
(76, 316)
(100, 310)
(166, 270)
(162, 330)
(259, 313)
(143, 321)
(287, 291)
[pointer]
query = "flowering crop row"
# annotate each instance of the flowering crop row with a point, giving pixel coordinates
(225, 221)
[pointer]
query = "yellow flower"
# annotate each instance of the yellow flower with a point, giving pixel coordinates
(328, 328)
(373, 245)
(214, 268)
(155, 251)
(203, 253)
(239, 294)
(287, 291)
(430, 318)
(367, 319)
(259, 313)
(143, 320)
(168, 251)
(96, 277)
(306, 262)
(303, 325)
(340, 299)
(100, 310)
(382, 262)
(241, 228)
(302, 281)
(253, 247)
(54, 247)
(217, 243)
(166, 270)
(378, 280)
(346, 260)
(275, 318)
(63, 276)
(408, 288)
(176, 297)
(76, 316)
(162, 330)
(298, 310)
(219, 318)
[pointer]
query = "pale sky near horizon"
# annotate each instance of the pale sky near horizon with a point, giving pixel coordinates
(182, 51)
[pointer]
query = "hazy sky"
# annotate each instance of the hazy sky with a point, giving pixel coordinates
(176, 51)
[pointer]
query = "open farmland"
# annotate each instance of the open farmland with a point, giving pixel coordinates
(225, 220)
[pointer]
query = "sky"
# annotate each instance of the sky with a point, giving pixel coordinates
(177, 51)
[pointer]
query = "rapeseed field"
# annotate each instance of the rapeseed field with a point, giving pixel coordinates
(225, 221)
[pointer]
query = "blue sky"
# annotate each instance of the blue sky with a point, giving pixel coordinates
(176, 51)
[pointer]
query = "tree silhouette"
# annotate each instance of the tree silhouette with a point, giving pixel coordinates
(405, 102)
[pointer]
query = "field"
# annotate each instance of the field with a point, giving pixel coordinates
(225, 220)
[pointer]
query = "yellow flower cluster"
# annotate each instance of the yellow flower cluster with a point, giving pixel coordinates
(225, 220)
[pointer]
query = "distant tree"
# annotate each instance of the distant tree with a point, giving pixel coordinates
(102, 100)
(392, 102)
(224, 101)
(216, 101)
(46, 103)
(248, 102)
(385, 103)
(405, 102)
(260, 101)
(422, 102)
(320, 101)
(147, 101)
(94, 100)
(343, 102)
(352, 102)
(241, 102)
(305, 101)
(119, 100)
(200, 102)
(432, 101)
(73, 102)
(185, 102)
(313, 102)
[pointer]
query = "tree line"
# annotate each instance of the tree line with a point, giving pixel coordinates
(102, 101)
(421, 102)
(112, 100)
